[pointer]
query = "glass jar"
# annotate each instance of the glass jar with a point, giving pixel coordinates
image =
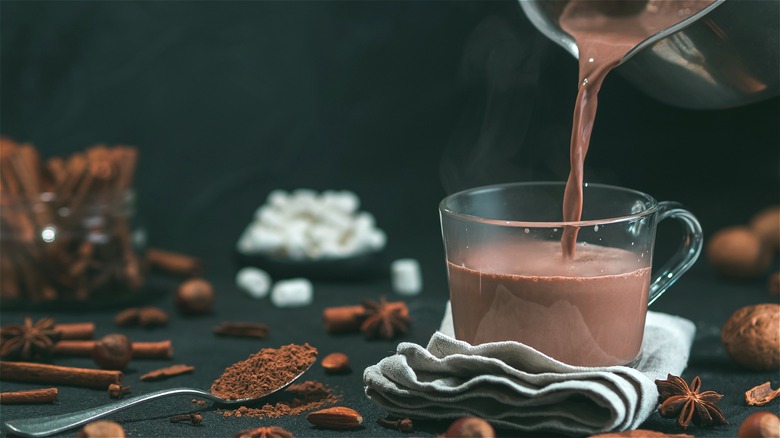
(80, 250)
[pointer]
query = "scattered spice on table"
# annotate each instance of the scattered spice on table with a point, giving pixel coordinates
(58, 375)
(241, 329)
(29, 396)
(193, 418)
(174, 263)
(117, 391)
(761, 394)
(687, 404)
(29, 340)
(383, 320)
(164, 373)
(306, 396)
(147, 317)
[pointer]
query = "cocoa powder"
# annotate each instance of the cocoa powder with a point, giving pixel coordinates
(263, 372)
(306, 396)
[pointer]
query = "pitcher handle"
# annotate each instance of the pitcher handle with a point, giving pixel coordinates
(686, 254)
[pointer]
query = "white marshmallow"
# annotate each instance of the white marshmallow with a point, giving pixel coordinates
(405, 276)
(295, 292)
(278, 199)
(376, 239)
(265, 239)
(343, 201)
(253, 281)
(245, 244)
(270, 216)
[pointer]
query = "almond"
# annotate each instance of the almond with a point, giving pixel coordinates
(338, 417)
(335, 363)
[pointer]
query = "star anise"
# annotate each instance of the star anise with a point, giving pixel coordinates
(28, 341)
(687, 403)
(264, 432)
(383, 321)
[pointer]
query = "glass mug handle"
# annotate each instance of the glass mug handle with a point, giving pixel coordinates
(686, 254)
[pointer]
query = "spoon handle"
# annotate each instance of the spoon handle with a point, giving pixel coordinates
(49, 425)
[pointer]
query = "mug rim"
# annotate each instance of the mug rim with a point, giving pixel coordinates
(652, 206)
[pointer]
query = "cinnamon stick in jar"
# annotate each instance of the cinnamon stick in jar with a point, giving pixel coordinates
(58, 375)
(30, 396)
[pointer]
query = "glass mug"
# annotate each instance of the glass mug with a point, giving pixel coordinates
(509, 280)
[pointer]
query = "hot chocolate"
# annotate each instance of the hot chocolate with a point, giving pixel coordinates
(589, 310)
(584, 307)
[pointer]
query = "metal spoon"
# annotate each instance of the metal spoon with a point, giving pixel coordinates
(49, 425)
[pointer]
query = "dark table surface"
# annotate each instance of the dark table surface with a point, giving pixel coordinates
(401, 102)
(700, 296)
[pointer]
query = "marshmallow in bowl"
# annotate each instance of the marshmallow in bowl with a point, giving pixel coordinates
(306, 225)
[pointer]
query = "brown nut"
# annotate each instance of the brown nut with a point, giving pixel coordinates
(738, 252)
(102, 429)
(195, 297)
(470, 427)
(766, 223)
(112, 351)
(751, 337)
(760, 425)
(338, 417)
(264, 432)
(336, 363)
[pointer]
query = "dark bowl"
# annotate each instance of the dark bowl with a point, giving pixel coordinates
(363, 266)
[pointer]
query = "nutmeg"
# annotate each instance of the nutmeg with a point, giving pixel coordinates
(751, 337)
(760, 425)
(738, 252)
(195, 297)
(766, 223)
(112, 351)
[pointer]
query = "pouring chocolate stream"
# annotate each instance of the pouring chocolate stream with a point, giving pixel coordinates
(605, 31)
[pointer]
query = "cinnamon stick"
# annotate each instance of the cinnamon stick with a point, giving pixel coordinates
(76, 330)
(174, 263)
(141, 350)
(162, 373)
(45, 395)
(241, 329)
(58, 375)
(152, 350)
(344, 319)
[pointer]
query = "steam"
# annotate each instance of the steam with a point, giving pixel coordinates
(496, 138)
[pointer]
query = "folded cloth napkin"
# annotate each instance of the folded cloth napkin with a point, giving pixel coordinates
(514, 386)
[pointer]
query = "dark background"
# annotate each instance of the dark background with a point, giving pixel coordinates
(401, 102)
